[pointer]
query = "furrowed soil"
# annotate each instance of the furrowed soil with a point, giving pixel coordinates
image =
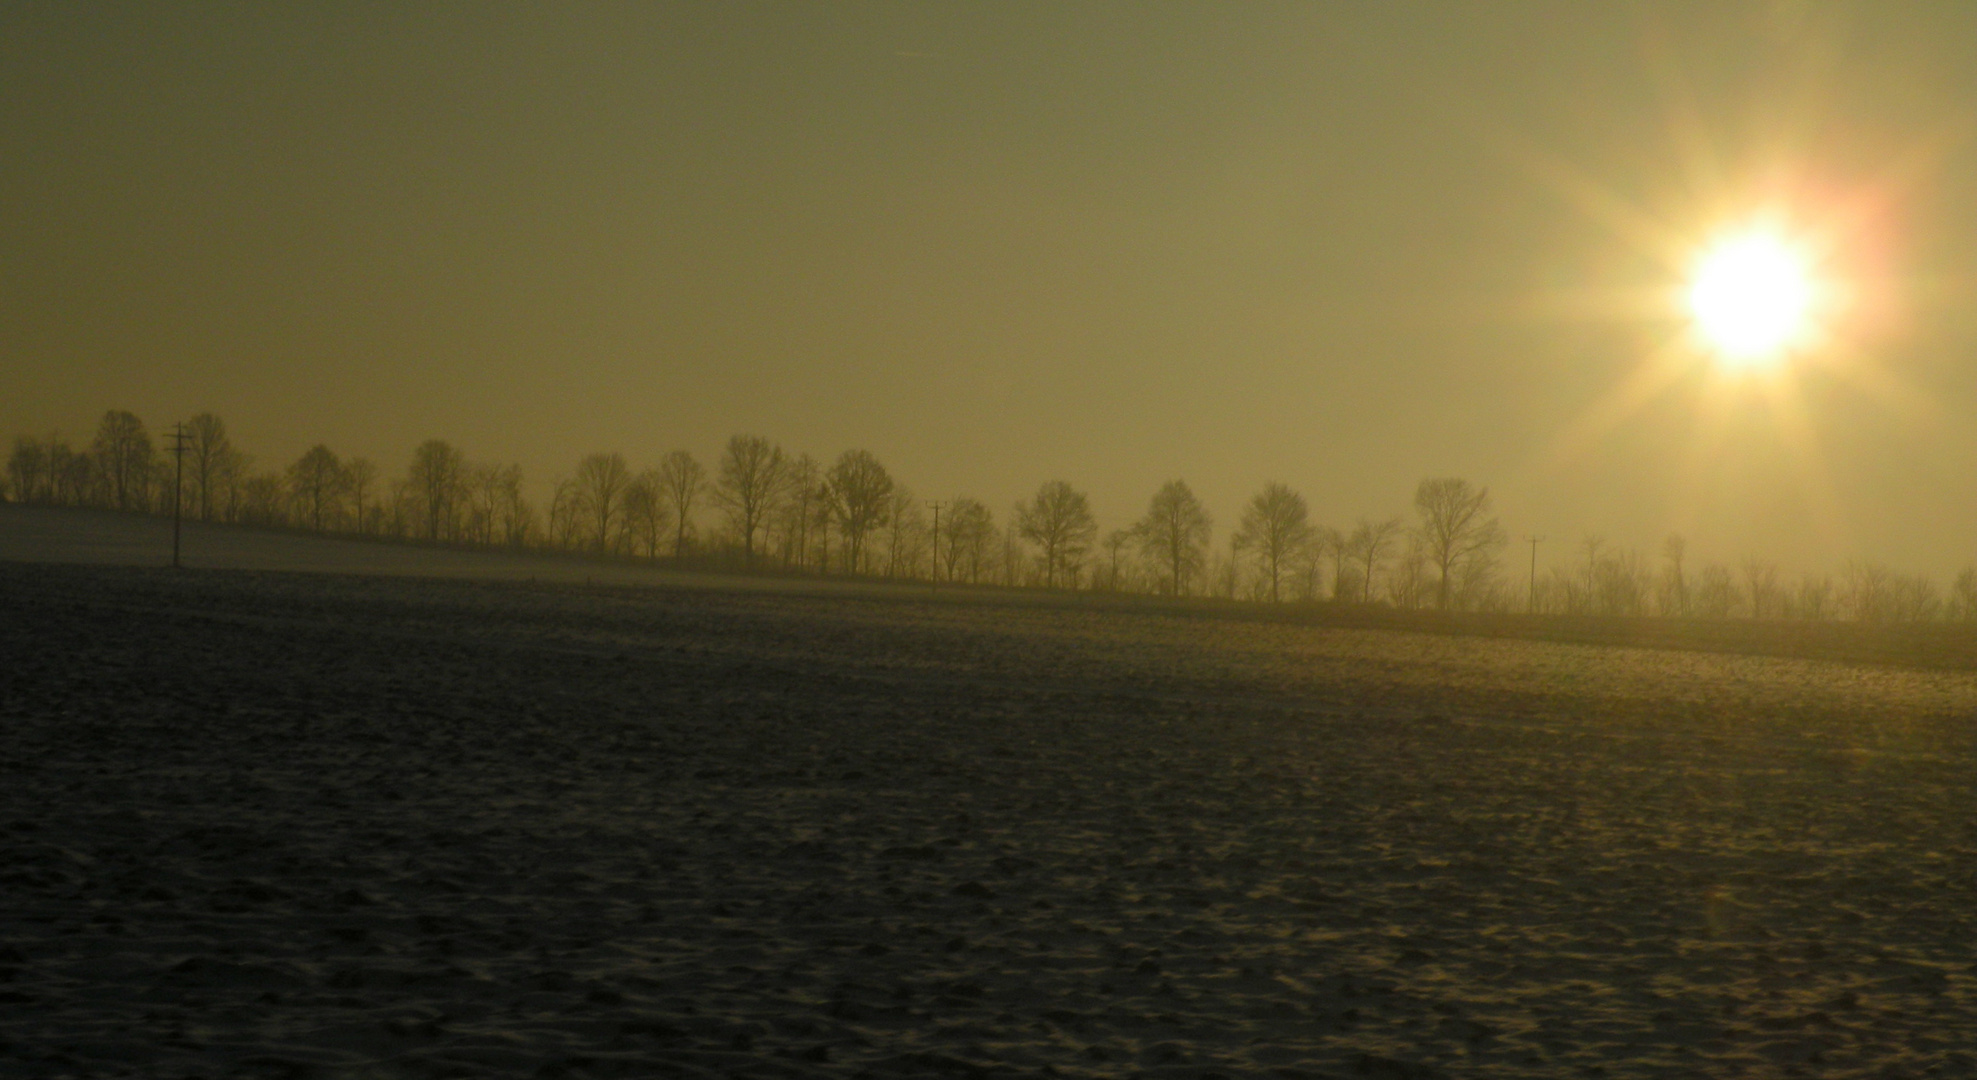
(269, 824)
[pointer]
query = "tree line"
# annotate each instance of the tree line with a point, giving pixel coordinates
(766, 508)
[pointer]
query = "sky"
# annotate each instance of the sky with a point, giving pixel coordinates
(1341, 246)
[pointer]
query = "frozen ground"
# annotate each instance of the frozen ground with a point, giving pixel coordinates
(288, 825)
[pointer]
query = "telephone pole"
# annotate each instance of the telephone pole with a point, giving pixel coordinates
(1531, 598)
(178, 484)
(936, 505)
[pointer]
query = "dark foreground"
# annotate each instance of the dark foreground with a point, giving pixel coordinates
(280, 825)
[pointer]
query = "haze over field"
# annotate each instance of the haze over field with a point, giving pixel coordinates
(1343, 247)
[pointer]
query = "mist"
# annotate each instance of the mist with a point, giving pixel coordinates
(1337, 248)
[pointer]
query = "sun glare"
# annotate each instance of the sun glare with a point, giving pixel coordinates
(1752, 298)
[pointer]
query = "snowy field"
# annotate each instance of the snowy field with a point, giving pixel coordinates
(279, 824)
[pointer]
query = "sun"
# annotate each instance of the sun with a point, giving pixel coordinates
(1752, 296)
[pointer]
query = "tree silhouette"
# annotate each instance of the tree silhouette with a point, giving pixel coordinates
(28, 468)
(1276, 525)
(906, 529)
(1368, 546)
(1326, 543)
(482, 491)
(123, 452)
(1762, 589)
(315, 482)
(261, 500)
(1174, 533)
(798, 512)
(1592, 543)
(77, 477)
(517, 517)
(1058, 520)
(601, 483)
(645, 510)
(1407, 583)
(1814, 599)
(1455, 529)
(1115, 543)
(565, 512)
(437, 476)
(1962, 603)
(820, 507)
(1675, 600)
(970, 535)
(1716, 593)
(207, 458)
(861, 497)
(753, 474)
(681, 480)
(360, 479)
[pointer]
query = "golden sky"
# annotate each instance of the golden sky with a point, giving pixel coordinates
(1344, 246)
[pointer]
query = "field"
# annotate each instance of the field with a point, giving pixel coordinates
(418, 823)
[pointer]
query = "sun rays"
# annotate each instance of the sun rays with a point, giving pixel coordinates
(1765, 288)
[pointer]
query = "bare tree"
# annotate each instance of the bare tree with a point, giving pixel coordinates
(1962, 603)
(207, 449)
(1872, 593)
(315, 482)
(1225, 573)
(970, 539)
(1326, 543)
(517, 517)
(1276, 525)
(1592, 543)
(1916, 599)
(1058, 520)
(1618, 584)
(437, 477)
(907, 527)
(1010, 570)
(73, 473)
(235, 465)
(481, 488)
(1368, 546)
(1455, 529)
(1675, 587)
(681, 480)
(822, 507)
(645, 510)
(1116, 542)
(860, 497)
(1814, 598)
(1174, 533)
(123, 452)
(360, 479)
(261, 500)
(1715, 592)
(566, 515)
(798, 512)
(1761, 588)
(601, 483)
(752, 480)
(28, 468)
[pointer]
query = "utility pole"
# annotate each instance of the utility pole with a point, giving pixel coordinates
(178, 484)
(1531, 598)
(936, 505)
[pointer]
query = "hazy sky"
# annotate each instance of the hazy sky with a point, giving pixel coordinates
(1340, 245)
